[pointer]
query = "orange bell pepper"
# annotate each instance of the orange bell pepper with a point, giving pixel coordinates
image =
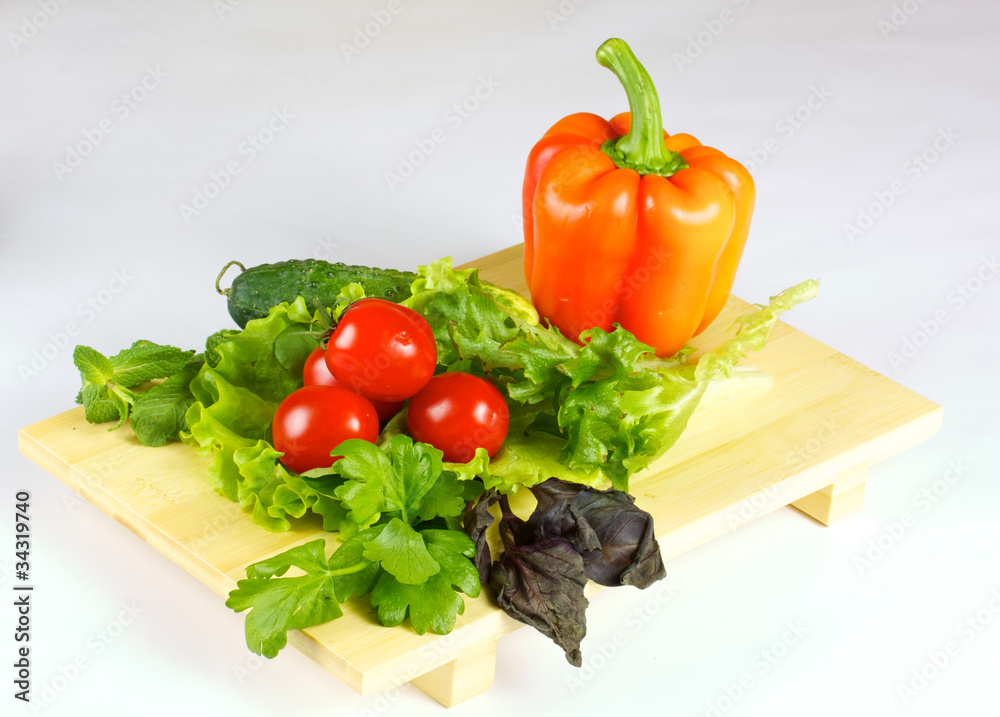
(626, 224)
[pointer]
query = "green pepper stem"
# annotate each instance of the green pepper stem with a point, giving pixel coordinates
(642, 147)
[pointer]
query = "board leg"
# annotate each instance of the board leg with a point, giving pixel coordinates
(841, 499)
(469, 674)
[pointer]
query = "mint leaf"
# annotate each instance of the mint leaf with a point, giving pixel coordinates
(94, 366)
(123, 400)
(158, 416)
(145, 361)
(97, 404)
(106, 393)
(402, 552)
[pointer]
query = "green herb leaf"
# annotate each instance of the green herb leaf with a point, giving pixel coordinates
(277, 606)
(453, 550)
(98, 406)
(402, 552)
(394, 480)
(363, 465)
(158, 416)
(416, 468)
(94, 367)
(107, 383)
(145, 361)
(347, 565)
(432, 605)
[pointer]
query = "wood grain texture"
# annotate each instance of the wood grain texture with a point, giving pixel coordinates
(807, 441)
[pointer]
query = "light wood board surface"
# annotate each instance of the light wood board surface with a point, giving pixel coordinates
(806, 441)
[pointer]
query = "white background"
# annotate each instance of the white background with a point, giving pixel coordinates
(882, 90)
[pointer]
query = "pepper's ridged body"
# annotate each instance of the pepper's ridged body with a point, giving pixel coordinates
(655, 250)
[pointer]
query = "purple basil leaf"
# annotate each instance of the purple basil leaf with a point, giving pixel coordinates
(476, 520)
(554, 490)
(626, 552)
(560, 519)
(542, 585)
(629, 553)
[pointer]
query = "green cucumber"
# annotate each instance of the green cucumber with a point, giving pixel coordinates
(257, 289)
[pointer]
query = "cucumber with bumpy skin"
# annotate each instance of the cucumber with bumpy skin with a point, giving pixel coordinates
(257, 289)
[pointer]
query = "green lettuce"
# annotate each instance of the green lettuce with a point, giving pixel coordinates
(594, 413)
(238, 389)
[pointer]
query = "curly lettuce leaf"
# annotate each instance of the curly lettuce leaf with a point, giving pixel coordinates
(594, 413)
(238, 389)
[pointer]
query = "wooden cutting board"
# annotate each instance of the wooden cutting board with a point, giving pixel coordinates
(808, 444)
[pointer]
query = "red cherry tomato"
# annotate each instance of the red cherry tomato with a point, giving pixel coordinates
(382, 350)
(312, 421)
(457, 413)
(315, 373)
